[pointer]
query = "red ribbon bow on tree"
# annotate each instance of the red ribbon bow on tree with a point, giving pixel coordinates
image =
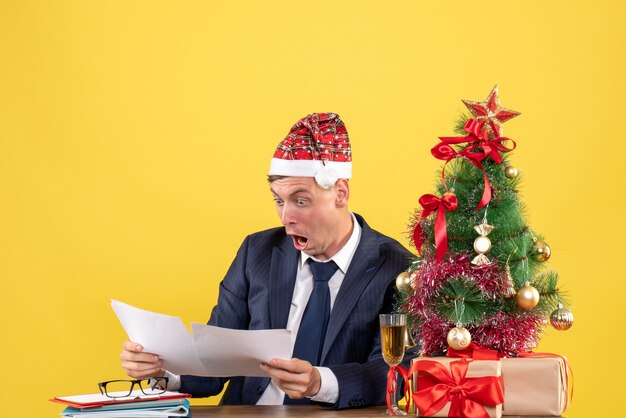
(468, 396)
(476, 140)
(431, 204)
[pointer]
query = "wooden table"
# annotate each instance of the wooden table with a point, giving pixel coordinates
(283, 411)
(244, 411)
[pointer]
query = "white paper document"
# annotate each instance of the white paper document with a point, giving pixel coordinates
(209, 351)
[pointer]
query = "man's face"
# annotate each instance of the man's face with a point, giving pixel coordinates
(312, 216)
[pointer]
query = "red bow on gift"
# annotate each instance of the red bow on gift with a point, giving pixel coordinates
(431, 204)
(436, 386)
(475, 140)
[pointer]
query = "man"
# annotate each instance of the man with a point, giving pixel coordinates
(325, 275)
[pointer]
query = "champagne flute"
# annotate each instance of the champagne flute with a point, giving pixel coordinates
(392, 335)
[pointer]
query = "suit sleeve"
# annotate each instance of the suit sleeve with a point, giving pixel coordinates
(231, 311)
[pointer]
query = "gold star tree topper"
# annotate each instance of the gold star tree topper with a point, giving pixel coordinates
(489, 114)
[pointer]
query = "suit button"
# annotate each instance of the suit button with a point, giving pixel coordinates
(356, 403)
(259, 390)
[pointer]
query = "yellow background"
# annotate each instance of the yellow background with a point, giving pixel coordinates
(135, 138)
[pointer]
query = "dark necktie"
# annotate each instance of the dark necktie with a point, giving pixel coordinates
(314, 321)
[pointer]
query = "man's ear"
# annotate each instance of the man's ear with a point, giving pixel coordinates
(342, 192)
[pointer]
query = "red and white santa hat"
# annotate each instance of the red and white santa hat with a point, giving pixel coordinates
(317, 146)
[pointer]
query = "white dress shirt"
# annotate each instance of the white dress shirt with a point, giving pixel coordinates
(329, 389)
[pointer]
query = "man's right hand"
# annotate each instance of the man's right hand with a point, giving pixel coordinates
(138, 364)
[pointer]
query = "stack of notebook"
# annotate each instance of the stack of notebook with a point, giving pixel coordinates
(168, 404)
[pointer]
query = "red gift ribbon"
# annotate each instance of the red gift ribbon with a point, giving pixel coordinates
(569, 373)
(468, 397)
(392, 386)
(475, 139)
(475, 352)
(431, 204)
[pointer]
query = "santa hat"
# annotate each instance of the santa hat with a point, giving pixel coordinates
(317, 146)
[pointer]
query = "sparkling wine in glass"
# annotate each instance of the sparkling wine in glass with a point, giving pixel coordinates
(392, 335)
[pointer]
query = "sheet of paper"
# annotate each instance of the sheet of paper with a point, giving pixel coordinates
(210, 351)
(160, 334)
(235, 352)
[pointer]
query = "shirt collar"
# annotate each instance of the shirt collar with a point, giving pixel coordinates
(344, 255)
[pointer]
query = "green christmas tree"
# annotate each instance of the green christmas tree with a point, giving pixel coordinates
(481, 275)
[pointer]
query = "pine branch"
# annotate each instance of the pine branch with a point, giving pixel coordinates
(470, 304)
(549, 295)
(460, 124)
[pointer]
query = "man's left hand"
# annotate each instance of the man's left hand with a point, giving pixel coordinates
(297, 378)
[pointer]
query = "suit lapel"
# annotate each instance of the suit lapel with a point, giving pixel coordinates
(282, 275)
(362, 269)
(283, 270)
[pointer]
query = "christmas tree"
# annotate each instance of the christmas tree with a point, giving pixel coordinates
(481, 275)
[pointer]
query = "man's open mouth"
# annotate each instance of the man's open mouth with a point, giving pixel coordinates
(299, 242)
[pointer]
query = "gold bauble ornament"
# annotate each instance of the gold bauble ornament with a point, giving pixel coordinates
(459, 338)
(541, 251)
(561, 319)
(527, 297)
(403, 281)
(511, 172)
(413, 280)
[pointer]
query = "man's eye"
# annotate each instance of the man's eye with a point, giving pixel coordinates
(301, 202)
(278, 202)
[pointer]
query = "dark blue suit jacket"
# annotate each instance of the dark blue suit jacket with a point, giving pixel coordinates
(256, 294)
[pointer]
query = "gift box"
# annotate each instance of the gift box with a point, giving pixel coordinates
(445, 387)
(534, 385)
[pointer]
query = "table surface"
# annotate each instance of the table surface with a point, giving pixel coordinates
(283, 411)
(244, 411)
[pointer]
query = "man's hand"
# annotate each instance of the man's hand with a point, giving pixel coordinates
(138, 364)
(297, 378)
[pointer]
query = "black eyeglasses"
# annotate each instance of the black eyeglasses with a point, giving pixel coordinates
(124, 388)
